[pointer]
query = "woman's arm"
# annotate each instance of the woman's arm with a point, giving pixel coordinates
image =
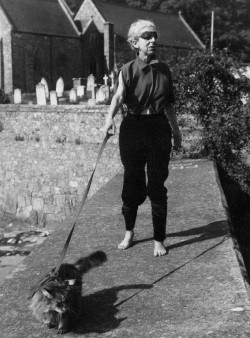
(169, 110)
(114, 106)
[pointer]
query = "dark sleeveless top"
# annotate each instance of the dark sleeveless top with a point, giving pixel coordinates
(147, 86)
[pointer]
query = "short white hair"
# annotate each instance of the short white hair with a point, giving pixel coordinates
(135, 28)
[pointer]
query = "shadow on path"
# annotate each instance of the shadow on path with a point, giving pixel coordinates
(99, 310)
(212, 230)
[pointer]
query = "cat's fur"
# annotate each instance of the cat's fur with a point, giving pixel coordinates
(57, 302)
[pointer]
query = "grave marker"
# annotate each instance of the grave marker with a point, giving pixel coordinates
(59, 87)
(72, 95)
(53, 98)
(112, 76)
(80, 91)
(90, 82)
(103, 93)
(105, 78)
(17, 96)
(94, 88)
(40, 94)
(77, 81)
(44, 82)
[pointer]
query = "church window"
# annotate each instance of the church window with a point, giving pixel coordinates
(93, 66)
(93, 38)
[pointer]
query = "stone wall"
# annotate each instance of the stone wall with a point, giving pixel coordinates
(47, 156)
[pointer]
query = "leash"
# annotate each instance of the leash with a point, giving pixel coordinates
(52, 274)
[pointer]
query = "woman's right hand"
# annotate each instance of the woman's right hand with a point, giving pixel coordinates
(109, 126)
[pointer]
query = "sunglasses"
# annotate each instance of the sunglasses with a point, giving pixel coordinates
(149, 35)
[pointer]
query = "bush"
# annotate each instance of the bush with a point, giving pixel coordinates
(211, 87)
(4, 99)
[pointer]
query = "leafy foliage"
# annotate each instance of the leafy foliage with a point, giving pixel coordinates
(4, 99)
(211, 87)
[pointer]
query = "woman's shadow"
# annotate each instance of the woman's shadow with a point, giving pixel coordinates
(98, 311)
(212, 230)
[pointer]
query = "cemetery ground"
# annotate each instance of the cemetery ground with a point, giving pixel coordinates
(197, 290)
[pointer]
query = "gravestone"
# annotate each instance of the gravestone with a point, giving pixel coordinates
(102, 94)
(80, 91)
(44, 82)
(59, 87)
(90, 82)
(72, 95)
(92, 89)
(17, 96)
(93, 92)
(53, 98)
(40, 94)
(105, 78)
(90, 85)
(112, 77)
(77, 81)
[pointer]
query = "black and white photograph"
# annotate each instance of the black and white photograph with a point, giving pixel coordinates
(125, 168)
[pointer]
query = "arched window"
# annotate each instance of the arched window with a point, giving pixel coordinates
(93, 38)
(93, 66)
(38, 71)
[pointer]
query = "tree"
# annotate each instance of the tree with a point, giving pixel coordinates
(152, 5)
(231, 23)
(134, 3)
(207, 88)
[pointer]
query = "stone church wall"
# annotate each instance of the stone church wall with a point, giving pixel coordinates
(37, 56)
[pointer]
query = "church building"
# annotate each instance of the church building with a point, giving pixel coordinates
(104, 27)
(44, 38)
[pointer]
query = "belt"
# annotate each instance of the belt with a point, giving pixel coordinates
(145, 112)
(148, 111)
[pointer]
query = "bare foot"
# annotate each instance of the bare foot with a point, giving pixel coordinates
(128, 239)
(159, 249)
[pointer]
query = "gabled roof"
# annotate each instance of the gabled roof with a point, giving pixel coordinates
(46, 17)
(173, 29)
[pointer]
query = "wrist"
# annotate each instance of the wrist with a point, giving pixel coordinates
(108, 118)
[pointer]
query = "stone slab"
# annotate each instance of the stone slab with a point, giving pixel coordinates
(195, 291)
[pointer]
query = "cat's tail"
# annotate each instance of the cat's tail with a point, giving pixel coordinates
(91, 261)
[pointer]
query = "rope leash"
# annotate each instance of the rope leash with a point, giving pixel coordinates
(52, 274)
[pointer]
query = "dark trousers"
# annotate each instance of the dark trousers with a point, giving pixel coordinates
(145, 142)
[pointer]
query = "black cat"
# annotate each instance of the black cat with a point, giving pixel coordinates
(56, 303)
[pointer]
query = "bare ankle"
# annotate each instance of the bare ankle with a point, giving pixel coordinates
(159, 249)
(127, 241)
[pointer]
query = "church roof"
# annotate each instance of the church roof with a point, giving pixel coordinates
(173, 29)
(46, 17)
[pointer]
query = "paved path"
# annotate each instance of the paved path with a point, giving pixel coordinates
(195, 291)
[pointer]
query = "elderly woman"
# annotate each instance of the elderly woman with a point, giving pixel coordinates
(145, 89)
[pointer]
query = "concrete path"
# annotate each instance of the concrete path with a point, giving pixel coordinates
(195, 291)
